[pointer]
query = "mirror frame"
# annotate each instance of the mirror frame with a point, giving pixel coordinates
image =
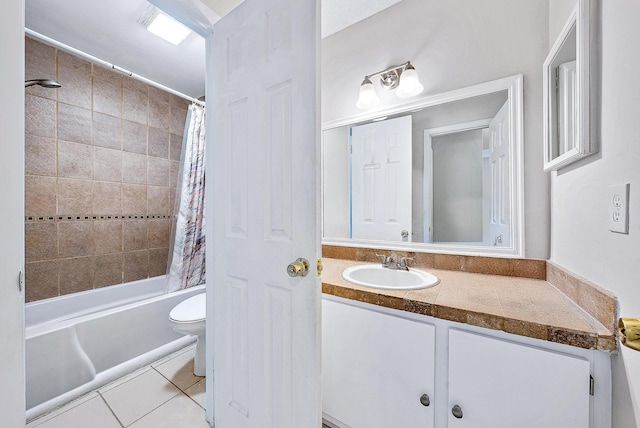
(514, 87)
(585, 144)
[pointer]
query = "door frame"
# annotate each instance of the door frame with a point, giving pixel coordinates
(428, 161)
(12, 260)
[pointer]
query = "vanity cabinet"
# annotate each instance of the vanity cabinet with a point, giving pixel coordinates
(501, 384)
(378, 362)
(377, 369)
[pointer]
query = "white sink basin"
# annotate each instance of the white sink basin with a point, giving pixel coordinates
(375, 276)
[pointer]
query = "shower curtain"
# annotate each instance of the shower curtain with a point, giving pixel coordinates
(186, 264)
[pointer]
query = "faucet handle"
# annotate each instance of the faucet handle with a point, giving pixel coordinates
(383, 259)
(403, 262)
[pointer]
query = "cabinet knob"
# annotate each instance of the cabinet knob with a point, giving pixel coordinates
(456, 411)
(424, 400)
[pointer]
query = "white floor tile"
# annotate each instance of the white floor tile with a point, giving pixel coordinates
(124, 379)
(196, 392)
(179, 369)
(60, 410)
(138, 396)
(93, 413)
(179, 412)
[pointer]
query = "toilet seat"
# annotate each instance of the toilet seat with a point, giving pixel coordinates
(191, 310)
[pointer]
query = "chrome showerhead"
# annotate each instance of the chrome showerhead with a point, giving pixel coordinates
(45, 83)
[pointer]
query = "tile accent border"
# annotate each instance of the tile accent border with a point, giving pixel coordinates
(523, 268)
(92, 217)
(601, 304)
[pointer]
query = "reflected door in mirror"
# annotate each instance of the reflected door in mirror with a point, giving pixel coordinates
(381, 180)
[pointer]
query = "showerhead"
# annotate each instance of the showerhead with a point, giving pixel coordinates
(45, 83)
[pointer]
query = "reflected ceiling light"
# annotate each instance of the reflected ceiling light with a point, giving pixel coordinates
(403, 77)
(167, 28)
(379, 119)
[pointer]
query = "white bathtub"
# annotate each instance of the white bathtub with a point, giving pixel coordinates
(79, 342)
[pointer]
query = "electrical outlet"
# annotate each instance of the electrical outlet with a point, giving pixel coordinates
(618, 203)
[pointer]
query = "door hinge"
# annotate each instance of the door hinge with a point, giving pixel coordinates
(591, 385)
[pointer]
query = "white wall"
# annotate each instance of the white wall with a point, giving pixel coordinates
(452, 44)
(559, 11)
(12, 399)
(579, 237)
(457, 187)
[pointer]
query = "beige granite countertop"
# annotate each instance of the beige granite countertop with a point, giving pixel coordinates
(523, 306)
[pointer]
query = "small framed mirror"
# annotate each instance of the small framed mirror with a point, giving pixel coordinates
(567, 96)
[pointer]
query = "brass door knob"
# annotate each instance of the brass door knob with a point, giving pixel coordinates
(298, 268)
(629, 329)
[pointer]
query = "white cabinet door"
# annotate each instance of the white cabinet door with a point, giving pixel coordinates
(500, 384)
(375, 368)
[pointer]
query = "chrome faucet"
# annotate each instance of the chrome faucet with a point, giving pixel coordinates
(389, 263)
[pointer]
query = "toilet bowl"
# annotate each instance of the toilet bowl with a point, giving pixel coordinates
(188, 317)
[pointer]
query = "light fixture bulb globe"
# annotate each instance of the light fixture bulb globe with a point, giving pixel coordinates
(410, 85)
(368, 97)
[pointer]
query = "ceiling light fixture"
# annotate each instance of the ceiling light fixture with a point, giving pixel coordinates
(167, 28)
(403, 77)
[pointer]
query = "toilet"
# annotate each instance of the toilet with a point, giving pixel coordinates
(188, 317)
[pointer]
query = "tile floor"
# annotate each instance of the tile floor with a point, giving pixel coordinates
(165, 394)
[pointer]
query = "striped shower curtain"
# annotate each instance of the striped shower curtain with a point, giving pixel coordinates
(186, 265)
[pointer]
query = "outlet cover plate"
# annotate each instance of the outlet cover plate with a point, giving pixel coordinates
(618, 203)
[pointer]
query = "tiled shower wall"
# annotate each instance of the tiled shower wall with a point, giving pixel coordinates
(102, 158)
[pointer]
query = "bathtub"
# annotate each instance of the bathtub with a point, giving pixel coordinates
(79, 342)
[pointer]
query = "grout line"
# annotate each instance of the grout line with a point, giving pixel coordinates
(197, 404)
(111, 410)
(158, 406)
(172, 383)
(183, 391)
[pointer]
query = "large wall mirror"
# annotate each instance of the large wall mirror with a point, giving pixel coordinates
(568, 117)
(441, 174)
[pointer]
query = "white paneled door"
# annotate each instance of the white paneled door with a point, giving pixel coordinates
(500, 214)
(381, 180)
(262, 215)
(12, 122)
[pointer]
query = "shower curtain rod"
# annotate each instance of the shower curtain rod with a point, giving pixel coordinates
(107, 64)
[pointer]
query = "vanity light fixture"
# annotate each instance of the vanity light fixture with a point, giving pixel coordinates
(403, 77)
